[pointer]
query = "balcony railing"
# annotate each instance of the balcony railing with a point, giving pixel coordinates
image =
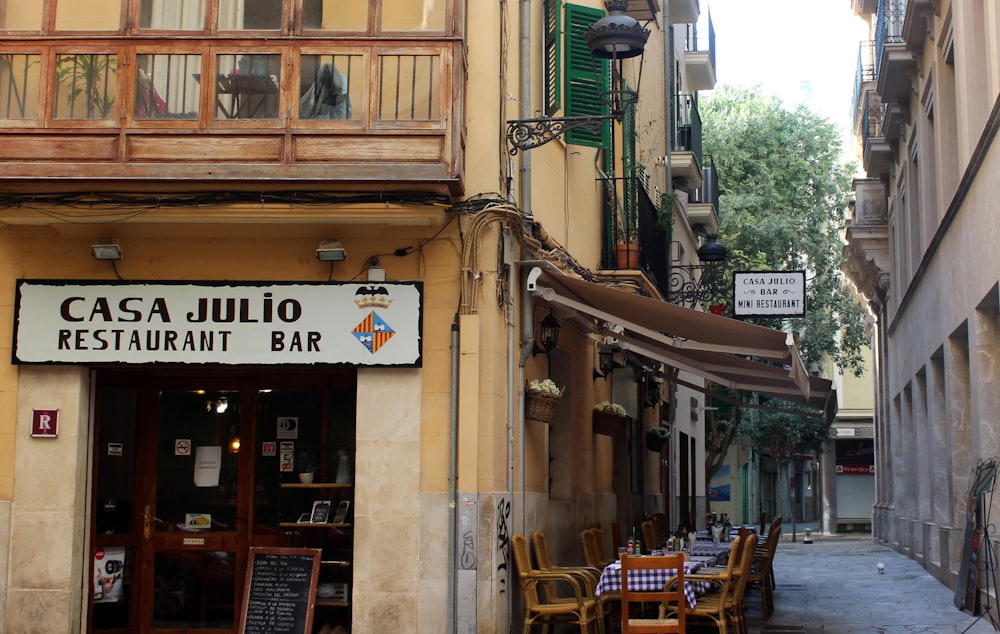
(888, 27)
(688, 125)
(871, 118)
(155, 108)
(865, 74)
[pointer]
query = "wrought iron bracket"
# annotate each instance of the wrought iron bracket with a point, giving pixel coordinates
(695, 284)
(525, 134)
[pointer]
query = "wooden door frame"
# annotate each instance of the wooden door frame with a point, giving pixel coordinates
(148, 382)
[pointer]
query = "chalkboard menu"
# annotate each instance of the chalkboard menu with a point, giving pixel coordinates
(280, 591)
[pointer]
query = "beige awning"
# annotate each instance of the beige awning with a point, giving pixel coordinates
(726, 351)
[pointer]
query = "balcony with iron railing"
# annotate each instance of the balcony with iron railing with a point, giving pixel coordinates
(864, 78)
(686, 156)
(273, 110)
(893, 61)
(699, 55)
(877, 149)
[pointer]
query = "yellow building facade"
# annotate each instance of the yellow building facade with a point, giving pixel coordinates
(329, 260)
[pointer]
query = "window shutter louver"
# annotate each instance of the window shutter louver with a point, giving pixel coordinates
(553, 56)
(583, 89)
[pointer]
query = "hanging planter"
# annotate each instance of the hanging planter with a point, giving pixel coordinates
(541, 398)
(656, 438)
(609, 418)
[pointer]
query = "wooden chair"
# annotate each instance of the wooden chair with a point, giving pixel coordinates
(576, 607)
(633, 600)
(724, 607)
(762, 569)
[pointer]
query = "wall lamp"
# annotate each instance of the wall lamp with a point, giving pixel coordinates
(614, 37)
(106, 249)
(331, 251)
(699, 283)
(607, 362)
(548, 334)
(654, 393)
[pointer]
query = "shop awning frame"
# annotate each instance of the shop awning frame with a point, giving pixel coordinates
(728, 352)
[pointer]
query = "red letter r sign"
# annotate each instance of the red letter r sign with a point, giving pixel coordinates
(44, 423)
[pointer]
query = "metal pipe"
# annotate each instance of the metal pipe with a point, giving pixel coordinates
(453, 481)
(524, 102)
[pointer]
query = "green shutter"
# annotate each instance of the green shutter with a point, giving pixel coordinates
(583, 88)
(631, 193)
(553, 56)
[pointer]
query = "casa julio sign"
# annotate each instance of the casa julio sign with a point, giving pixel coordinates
(230, 323)
(769, 294)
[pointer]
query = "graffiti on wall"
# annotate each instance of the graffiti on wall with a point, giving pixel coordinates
(503, 543)
(467, 549)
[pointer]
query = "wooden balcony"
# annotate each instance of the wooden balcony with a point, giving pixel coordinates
(333, 114)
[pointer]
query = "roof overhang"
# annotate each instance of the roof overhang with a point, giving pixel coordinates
(731, 353)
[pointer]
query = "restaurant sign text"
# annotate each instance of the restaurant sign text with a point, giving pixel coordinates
(769, 294)
(231, 323)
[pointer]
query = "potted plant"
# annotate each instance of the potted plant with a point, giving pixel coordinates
(609, 418)
(656, 438)
(306, 464)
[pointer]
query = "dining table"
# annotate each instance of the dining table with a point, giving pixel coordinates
(653, 579)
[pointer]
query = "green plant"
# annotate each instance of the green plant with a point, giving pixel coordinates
(89, 77)
(306, 461)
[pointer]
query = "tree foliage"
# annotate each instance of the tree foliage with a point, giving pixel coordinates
(784, 191)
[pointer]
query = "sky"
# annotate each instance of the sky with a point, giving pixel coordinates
(798, 50)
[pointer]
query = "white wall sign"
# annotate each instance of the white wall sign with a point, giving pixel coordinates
(769, 294)
(374, 324)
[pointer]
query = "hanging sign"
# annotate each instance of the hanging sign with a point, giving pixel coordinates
(87, 322)
(769, 294)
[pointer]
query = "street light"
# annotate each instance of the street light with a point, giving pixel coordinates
(614, 37)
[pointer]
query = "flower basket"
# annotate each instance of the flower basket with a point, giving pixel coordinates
(608, 424)
(541, 406)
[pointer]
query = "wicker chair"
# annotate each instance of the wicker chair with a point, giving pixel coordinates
(577, 606)
(633, 600)
(649, 541)
(590, 574)
(724, 607)
(762, 570)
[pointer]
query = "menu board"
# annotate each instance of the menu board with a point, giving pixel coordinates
(280, 591)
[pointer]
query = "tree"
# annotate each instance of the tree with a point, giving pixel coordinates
(784, 192)
(782, 435)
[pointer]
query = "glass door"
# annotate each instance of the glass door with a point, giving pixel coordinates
(171, 495)
(194, 518)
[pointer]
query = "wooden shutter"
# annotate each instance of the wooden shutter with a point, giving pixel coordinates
(583, 88)
(553, 56)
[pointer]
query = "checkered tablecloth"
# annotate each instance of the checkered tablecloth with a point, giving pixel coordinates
(651, 580)
(720, 551)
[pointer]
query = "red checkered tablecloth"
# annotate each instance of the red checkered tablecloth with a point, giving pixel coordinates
(649, 580)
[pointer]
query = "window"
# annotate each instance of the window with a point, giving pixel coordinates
(166, 86)
(409, 87)
(346, 15)
(21, 15)
(413, 15)
(85, 85)
(583, 86)
(19, 84)
(326, 86)
(175, 15)
(247, 86)
(84, 15)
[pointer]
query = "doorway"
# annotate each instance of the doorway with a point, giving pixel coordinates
(187, 474)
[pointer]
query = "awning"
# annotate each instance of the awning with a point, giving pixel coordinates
(729, 352)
